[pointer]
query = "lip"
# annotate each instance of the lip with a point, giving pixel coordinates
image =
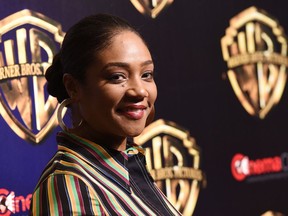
(134, 112)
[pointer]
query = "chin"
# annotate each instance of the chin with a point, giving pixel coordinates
(131, 128)
(133, 131)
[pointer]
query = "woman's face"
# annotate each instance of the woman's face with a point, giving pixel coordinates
(119, 91)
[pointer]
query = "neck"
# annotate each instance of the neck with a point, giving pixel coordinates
(108, 140)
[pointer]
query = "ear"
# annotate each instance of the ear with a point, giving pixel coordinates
(72, 86)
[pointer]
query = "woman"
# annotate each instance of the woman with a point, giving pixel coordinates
(104, 74)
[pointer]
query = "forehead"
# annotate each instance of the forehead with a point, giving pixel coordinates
(126, 44)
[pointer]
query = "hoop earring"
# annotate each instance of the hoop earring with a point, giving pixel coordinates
(63, 106)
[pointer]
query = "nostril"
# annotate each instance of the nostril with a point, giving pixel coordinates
(137, 92)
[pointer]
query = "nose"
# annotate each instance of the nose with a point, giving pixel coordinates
(137, 89)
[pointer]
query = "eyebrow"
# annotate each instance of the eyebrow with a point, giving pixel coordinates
(124, 65)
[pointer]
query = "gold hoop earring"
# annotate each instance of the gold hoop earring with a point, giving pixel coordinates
(63, 107)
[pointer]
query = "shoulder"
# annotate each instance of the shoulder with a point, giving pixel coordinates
(65, 192)
(63, 179)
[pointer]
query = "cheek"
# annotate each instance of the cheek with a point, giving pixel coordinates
(95, 108)
(103, 99)
(153, 92)
(111, 96)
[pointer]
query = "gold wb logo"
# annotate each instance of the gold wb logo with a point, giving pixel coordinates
(255, 49)
(173, 159)
(29, 40)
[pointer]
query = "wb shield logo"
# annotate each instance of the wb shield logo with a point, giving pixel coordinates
(173, 160)
(255, 49)
(28, 43)
(151, 8)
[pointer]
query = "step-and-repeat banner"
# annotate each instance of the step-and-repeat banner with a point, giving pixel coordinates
(218, 145)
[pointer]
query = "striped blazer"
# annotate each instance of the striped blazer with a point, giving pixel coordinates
(84, 178)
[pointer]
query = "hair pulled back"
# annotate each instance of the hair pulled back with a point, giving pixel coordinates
(81, 44)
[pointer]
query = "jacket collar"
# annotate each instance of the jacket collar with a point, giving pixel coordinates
(109, 162)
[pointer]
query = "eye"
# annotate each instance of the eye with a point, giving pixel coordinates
(117, 77)
(148, 75)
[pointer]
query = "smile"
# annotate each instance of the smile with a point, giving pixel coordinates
(134, 112)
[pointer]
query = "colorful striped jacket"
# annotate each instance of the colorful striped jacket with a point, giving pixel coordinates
(84, 178)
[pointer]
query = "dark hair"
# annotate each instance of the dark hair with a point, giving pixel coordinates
(81, 44)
